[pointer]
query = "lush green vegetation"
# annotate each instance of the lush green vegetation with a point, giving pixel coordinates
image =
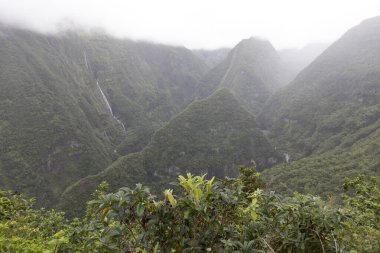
(187, 112)
(213, 136)
(55, 127)
(334, 102)
(330, 116)
(201, 215)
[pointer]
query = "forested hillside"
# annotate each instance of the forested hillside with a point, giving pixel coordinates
(334, 102)
(252, 71)
(72, 103)
(331, 114)
(54, 126)
(214, 136)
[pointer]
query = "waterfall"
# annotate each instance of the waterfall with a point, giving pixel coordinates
(85, 59)
(287, 157)
(109, 106)
(105, 99)
(120, 123)
(103, 95)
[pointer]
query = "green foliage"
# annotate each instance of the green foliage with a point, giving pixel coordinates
(251, 179)
(23, 229)
(363, 195)
(366, 194)
(202, 215)
(218, 216)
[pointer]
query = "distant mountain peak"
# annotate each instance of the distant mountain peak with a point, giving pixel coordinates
(253, 70)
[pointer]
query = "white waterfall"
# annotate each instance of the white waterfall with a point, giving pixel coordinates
(109, 106)
(103, 95)
(120, 123)
(287, 157)
(85, 59)
(105, 99)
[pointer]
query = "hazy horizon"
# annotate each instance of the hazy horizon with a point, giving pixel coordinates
(195, 24)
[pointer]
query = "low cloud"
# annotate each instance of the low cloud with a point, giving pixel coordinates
(195, 24)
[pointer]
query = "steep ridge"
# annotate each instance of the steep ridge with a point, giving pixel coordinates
(252, 71)
(72, 103)
(215, 136)
(331, 114)
(53, 126)
(329, 103)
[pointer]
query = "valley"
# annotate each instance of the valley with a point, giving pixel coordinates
(82, 110)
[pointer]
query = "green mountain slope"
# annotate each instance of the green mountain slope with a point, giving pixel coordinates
(215, 136)
(252, 71)
(324, 174)
(65, 98)
(146, 84)
(331, 114)
(54, 126)
(334, 101)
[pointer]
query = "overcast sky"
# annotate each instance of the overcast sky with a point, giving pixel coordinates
(198, 23)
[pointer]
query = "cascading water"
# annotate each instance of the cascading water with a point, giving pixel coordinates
(103, 96)
(287, 157)
(85, 59)
(105, 99)
(109, 106)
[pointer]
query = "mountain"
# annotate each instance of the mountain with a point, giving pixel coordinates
(71, 103)
(146, 83)
(214, 135)
(252, 71)
(297, 59)
(54, 126)
(334, 101)
(331, 114)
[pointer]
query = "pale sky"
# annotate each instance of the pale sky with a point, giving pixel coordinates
(205, 24)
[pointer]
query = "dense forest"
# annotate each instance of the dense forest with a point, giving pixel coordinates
(114, 145)
(200, 215)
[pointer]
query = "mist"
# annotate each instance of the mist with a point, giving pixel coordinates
(195, 24)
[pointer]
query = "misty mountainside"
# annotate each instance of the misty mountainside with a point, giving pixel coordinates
(54, 125)
(334, 100)
(252, 71)
(331, 114)
(65, 101)
(298, 59)
(214, 136)
(145, 83)
(212, 57)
